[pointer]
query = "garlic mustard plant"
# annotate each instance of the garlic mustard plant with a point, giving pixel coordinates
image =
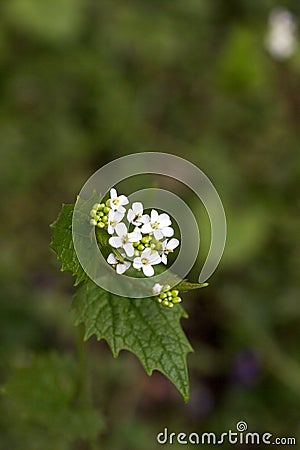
(137, 244)
(139, 237)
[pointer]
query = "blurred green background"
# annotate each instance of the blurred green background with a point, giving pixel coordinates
(83, 82)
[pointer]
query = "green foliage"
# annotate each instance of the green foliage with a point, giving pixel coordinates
(42, 403)
(186, 285)
(62, 244)
(51, 20)
(141, 326)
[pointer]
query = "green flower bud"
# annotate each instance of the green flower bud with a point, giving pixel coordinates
(93, 222)
(107, 203)
(104, 219)
(175, 293)
(165, 302)
(141, 247)
(159, 300)
(100, 225)
(96, 206)
(136, 244)
(170, 305)
(106, 209)
(102, 205)
(176, 300)
(162, 295)
(93, 213)
(145, 239)
(158, 245)
(152, 246)
(136, 253)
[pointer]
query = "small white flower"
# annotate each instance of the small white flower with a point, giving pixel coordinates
(281, 39)
(114, 217)
(124, 239)
(116, 201)
(157, 288)
(135, 214)
(121, 267)
(168, 247)
(159, 225)
(146, 261)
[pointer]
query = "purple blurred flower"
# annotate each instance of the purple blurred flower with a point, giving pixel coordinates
(246, 368)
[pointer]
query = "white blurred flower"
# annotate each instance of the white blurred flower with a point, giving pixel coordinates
(117, 202)
(135, 214)
(157, 288)
(114, 217)
(121, 266)
(124, 239)
(168, 247)
(146, 261)
(159, 225)
(281, 38)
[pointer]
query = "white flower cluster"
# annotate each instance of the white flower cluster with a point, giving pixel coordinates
(142, 242)
(281, 39)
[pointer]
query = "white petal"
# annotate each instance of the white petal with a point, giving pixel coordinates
(120, 209)
(123, 200)
(145, 218)
(158, 234)
(146, 228)
(122, 267)
(121, 229)
(137, 263)
(113, 193)
(118, 216)
(154, 215)
(112, 259)
(164, 259)
(115, 242)
(137, 207)
(134, 236)
(130, 215)
(164, 223)
(129, 249)
(164, 216)
(148, 270)
(157, 288)
(146, 253)
(154, 258)
(110, 229)
(173, 243)
(168, 231)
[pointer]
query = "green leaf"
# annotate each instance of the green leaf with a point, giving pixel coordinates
(142, 326)
(62, 244)
(40, 406)
(185, 285)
